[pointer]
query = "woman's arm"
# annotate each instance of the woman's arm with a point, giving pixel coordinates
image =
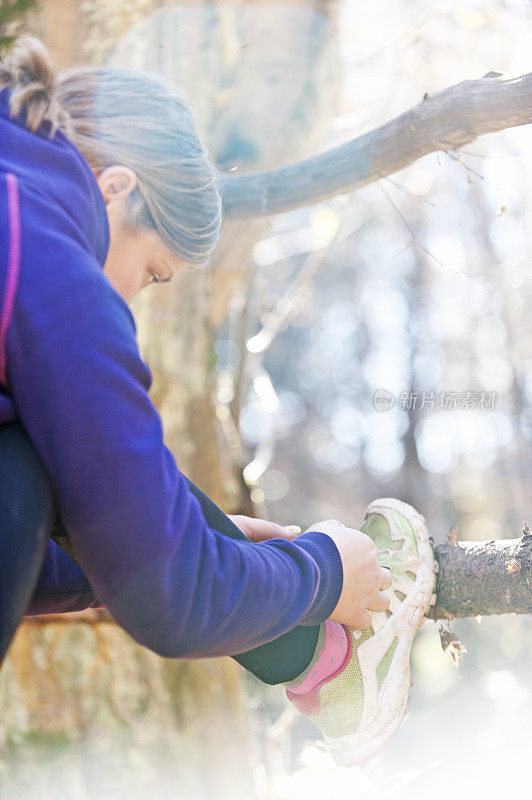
(62, 585)
(81, 391)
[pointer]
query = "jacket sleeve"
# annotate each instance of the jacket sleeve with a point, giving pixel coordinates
(81, 391)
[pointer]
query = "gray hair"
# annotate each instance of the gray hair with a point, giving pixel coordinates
(123, 116)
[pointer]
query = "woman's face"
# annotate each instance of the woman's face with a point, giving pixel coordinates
(135, 258)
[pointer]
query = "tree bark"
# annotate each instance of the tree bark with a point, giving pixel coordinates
(447, 121)
(482, 578)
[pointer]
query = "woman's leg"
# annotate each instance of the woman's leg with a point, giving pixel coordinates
(27, 510)
(27, 517)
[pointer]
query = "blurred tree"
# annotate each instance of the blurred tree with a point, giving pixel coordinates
(11, 12)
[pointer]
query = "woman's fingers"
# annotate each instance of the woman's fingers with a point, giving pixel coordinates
(324, 525)
(260, 530)
(362, 621)
(379, 602)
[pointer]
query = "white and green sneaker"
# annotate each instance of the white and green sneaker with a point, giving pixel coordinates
(356, 688)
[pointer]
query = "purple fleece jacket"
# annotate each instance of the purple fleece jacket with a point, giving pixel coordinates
(71, 372)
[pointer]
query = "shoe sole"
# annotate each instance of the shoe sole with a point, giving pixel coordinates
(384, 710)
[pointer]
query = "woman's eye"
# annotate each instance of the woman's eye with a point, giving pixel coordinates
(152, 278)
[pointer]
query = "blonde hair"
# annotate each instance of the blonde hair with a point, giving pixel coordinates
(130, 117)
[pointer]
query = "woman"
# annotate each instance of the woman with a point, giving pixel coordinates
(105, 188)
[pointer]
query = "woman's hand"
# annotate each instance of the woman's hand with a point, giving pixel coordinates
(364, 580)
(260, 530)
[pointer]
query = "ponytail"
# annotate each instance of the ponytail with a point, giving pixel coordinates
(28, 73)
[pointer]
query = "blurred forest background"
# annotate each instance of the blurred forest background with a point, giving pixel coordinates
(266, 367)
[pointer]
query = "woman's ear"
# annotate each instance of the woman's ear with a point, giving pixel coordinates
(117, 183)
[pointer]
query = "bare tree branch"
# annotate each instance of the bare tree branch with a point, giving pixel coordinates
(481, 578)
(447, 121)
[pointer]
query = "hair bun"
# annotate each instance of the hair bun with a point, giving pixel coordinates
(28, 73)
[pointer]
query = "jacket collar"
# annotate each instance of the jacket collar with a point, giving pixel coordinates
(55, 167)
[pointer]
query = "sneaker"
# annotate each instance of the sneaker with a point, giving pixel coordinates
(356, 688)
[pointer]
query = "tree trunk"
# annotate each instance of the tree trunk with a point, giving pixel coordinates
(85, 708)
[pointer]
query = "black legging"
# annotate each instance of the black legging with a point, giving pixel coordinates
(28, 516)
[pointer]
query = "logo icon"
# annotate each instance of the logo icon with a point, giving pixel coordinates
(383, 400)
